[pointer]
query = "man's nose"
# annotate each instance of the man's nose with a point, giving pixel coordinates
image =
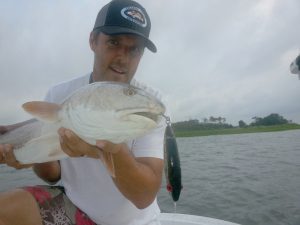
(123, 54)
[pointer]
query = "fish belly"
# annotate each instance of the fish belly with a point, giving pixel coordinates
(45, 148)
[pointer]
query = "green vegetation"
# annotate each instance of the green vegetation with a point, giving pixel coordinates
(271, 123)
(272, 119)
(236, 130)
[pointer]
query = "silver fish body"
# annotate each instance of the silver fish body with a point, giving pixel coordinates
(111, 111)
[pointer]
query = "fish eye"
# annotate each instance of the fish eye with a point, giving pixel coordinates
(129, 91)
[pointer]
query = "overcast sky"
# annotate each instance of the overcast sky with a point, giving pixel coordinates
(227, 58)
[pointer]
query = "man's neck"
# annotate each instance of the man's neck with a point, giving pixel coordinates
(91, 80)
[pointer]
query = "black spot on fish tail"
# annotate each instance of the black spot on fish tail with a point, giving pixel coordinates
(172, 164)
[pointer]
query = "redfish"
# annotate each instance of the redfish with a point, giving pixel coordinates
(111, 111)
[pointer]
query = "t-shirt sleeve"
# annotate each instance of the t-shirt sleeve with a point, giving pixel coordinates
(151, 144)
(53, 95)
(56, 94)
(48, 96)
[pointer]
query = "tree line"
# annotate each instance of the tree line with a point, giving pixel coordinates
(194, 124)
(220, 123)
(272, 119)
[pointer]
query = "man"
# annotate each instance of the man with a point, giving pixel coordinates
(89, 195)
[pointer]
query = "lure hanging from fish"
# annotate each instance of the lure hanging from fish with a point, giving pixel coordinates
(172, 162)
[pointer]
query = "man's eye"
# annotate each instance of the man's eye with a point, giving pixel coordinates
(136, 51)
(112, 42)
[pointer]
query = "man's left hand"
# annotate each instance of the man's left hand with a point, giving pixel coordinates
(74, 146)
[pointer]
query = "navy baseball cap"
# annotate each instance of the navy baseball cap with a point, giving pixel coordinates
(125, 17)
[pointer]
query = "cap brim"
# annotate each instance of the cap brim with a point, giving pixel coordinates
(111, 30)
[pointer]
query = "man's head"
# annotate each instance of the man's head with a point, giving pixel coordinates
(120, 34)
(125, 17)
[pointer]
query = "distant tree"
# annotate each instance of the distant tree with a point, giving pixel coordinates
(212, 119)
(194, 124)
(191, 124)
(217, 119)
(220, 119)
(272, 119)
(256, 120)
(242, 124)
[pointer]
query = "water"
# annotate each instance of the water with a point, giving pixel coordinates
(247, 178)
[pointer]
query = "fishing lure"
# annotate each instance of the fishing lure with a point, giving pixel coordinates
(172, 162)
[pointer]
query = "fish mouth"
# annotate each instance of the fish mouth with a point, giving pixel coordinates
(152, 116)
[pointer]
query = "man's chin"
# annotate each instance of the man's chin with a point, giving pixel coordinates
(120, 78)
(115, 77)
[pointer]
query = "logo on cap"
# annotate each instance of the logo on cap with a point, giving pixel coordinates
(135, 15)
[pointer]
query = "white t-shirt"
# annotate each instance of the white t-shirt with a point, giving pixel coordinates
(88, 184)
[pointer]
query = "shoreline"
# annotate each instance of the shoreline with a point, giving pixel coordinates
(236, 130)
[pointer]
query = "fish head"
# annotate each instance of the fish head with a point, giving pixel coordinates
(115, 109)
(139, 107)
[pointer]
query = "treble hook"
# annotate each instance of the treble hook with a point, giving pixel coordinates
(167, 118)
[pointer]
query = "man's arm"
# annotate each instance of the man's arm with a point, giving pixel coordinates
(138, 179)
(48, 172)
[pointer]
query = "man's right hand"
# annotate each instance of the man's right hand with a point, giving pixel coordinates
(6, 150)
(7, 157)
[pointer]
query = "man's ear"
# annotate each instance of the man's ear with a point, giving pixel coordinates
(92, 41)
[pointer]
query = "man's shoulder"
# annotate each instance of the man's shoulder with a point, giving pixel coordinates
(75, 82)
(62, 90)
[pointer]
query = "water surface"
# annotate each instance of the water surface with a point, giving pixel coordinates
(246, 178)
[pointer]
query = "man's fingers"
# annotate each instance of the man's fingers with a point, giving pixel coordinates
(70, 143)
(108, 146)
(7, 157)
(74, 146)
(10, 158)
(2, 154)
(65, 147)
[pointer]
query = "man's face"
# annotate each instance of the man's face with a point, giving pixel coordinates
(116, 56)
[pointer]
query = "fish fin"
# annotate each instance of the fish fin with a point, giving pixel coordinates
(44, 111)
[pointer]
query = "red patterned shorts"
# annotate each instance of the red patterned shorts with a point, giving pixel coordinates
(56, 208)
